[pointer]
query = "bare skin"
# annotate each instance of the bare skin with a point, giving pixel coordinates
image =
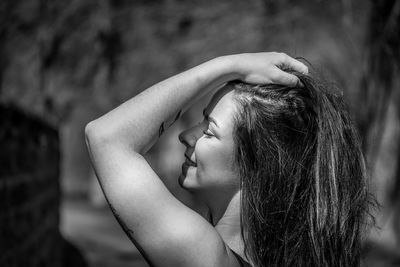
(165, 231)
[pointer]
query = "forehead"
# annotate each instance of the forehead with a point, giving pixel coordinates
(222, 106)
(218, 96)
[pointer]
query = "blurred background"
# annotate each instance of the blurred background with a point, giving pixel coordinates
(64, 63)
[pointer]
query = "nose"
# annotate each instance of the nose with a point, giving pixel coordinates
(190, 136)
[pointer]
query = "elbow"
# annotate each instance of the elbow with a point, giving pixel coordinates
(90, 129)
(101, 135)
(95, 135)
(90, 132)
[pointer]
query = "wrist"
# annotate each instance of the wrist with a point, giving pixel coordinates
(229, 67)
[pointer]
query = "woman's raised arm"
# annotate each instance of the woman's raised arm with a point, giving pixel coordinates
(165, 231)
(138, 122)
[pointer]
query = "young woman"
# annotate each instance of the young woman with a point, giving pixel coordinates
(276, 162)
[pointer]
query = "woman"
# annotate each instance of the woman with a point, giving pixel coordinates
(275, 161)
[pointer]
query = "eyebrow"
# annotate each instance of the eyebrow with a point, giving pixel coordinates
(209, 118)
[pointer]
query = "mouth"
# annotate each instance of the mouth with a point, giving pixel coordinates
(189, 162)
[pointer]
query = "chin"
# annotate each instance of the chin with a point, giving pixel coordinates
(187, 183)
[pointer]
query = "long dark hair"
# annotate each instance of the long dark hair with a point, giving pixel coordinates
(303, 178)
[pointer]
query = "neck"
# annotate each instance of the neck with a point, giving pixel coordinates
(224, 214)
(219, 204)
(229, 226)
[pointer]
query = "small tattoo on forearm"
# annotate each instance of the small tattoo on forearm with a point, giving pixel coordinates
(162, 128)
(177, 116)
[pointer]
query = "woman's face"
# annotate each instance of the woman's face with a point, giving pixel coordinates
(209, 151)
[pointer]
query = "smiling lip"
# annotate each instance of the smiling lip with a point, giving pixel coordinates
(189, 162)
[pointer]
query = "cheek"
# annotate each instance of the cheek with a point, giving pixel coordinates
(214, 161)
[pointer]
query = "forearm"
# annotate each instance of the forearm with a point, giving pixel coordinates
(139, 121)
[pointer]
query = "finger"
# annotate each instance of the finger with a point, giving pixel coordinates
(293, 64)
(285, 78)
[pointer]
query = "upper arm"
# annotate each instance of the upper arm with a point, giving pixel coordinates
(164, 230)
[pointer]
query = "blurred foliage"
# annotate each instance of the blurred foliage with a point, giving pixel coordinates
(380, 77)
(380, 83)
(55, 54)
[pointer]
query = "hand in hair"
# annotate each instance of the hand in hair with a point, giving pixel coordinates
(267, 68)
(167, 232)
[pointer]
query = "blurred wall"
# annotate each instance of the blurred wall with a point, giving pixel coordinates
(29, 191)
